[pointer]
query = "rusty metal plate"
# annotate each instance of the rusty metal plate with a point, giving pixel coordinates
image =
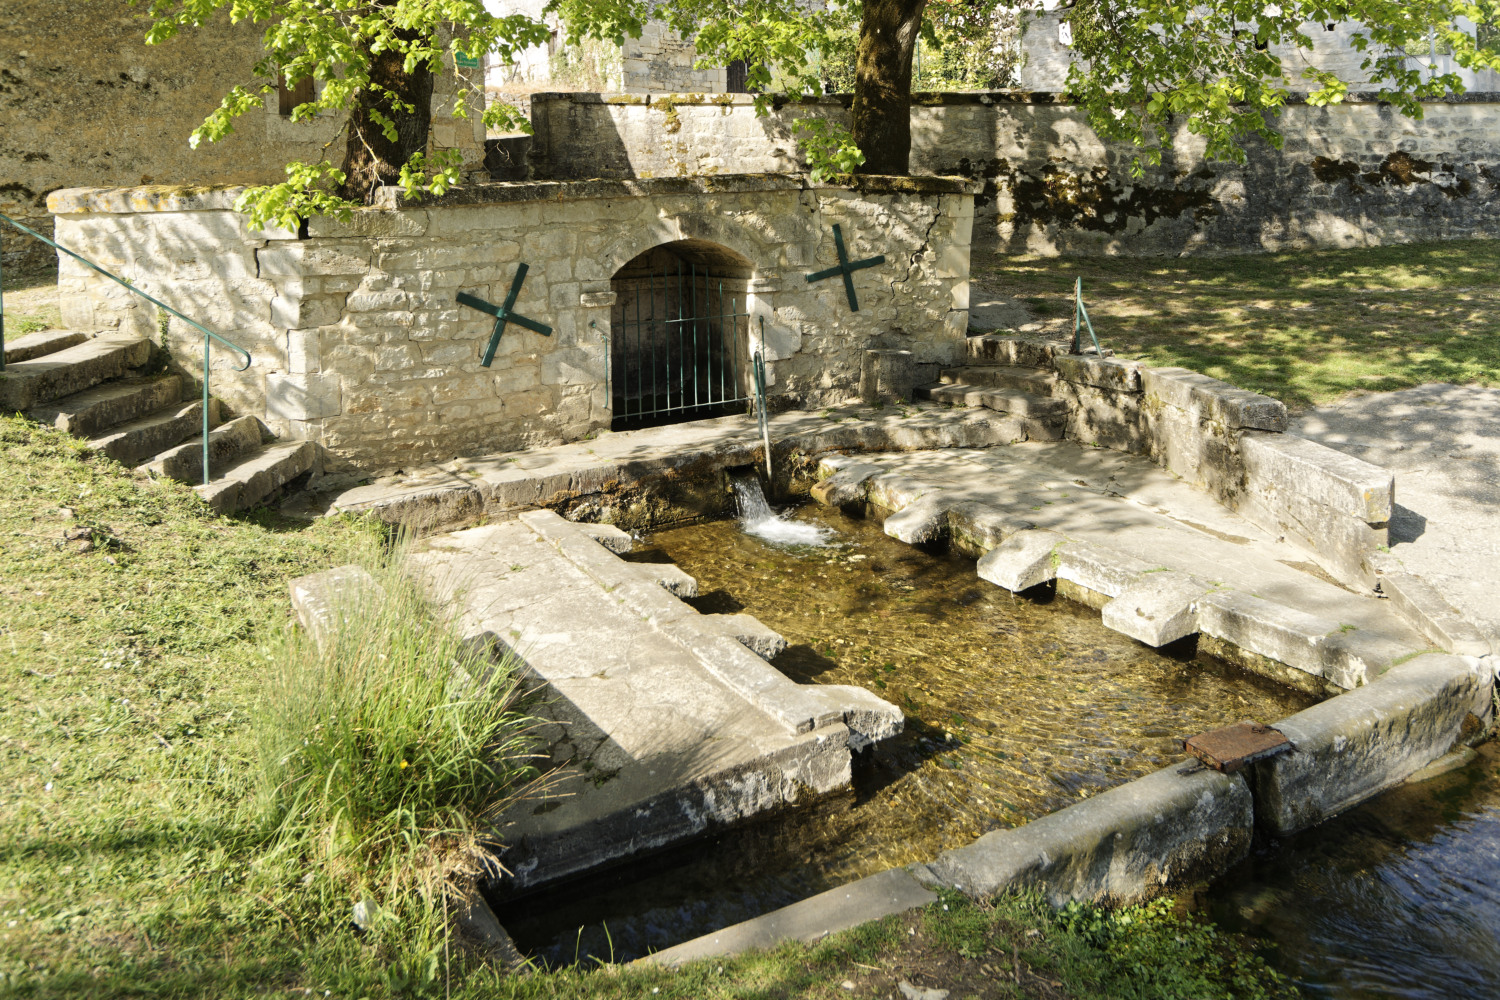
(1232, 747)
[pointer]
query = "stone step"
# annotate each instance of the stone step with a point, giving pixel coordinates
(226, 445)
(1035, 381)
(250, 480)
(93, 411)
(43, 342)
(995, 349)
(74, 369)
(138, 439)
(1045, 418)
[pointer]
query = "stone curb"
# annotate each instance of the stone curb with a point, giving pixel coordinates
(1180, 825)
(1419, 603)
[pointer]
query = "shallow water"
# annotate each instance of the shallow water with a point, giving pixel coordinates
(1014, 709)
(1399, 898)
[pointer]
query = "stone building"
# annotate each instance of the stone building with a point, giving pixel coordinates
(84, 101)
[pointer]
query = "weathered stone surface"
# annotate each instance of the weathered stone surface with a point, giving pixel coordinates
(71, 370)
(143, 437)
(1421, 604)
(1032, 352)
(226, 444)
(1285, 463)
(1210, 399)
(93, 410)
(811, 919)
(1342, 545)
(887, 376)
(1100, 569)
(609, 536)
(320, 598)
(975, 528)
(924, 520)
(245, 483)
(303, 397)
(1024, 560)
(1157, 608)
(1351, 748)
(40, 343)
(1135, 841)
(762, 640)
(1104, 373)
(845, 483)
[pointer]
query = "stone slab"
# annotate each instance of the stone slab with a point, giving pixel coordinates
(88, 413)
(1100, 569)
(42, 342)
(318, 598)
(1210, 398)
(1350, 748)
(1342, 483)
(811, 919)
(1421, 604)
(923, 521)
(1157, 608)
(1138, 840)
(1102, 373)
(1024, 560)
(73, 369)
(250, 480)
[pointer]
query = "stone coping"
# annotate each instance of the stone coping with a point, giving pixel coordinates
(189, 198)
(943, 98)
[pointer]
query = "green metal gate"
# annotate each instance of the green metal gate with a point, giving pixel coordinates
(678, 347)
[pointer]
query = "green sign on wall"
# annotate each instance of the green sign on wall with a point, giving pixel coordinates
(467, 61)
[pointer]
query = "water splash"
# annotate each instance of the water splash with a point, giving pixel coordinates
(758, 519)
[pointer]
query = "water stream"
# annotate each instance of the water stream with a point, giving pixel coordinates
(1014, 709)
(758, 519)
(1399, 898)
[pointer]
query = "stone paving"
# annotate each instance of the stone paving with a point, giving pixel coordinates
(672, 722)
(1151, 540)
(1443, 443)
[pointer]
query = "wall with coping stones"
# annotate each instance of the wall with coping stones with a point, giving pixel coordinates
(85, 101)
(360, 345)
(1353, 174)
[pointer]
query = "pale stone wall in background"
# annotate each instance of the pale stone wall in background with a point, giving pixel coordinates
(661, 61)
(85, 101)
(1353, 174)
(360, 345)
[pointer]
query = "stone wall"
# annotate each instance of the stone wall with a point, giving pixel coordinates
(1353, 174)
(661, 61)
(360, 345)
(85, 101)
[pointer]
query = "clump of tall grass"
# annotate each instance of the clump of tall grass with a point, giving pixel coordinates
(388, 748)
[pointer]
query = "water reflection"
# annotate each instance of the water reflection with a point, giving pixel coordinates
(1398, 898)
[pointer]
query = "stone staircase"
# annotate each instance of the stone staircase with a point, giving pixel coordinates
(98, 388)
(1012, 382)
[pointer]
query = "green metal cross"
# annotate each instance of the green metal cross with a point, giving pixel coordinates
(845, 267)
(503, 315)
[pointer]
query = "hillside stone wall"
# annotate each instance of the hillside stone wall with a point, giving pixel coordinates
(360, 344)
(1354, 174)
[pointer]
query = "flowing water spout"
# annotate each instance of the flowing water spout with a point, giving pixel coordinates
(758, 519)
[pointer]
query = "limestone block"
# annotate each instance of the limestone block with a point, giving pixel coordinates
(1353, 747)
(292, 312)
(1030, 352)
(302, 397)
(1171, 828)
(320, 599)
(1273, 630)
(845, 482)
(609, 536)
(1285, 463)
(869, 717)
(304, 351)
(1212, 399)
(370, 222)
(1102, 373)
(1341, 544)
(1419, 603)
(1157, 608)
(1100, 569)
(921, 522)
(1024, 560)
(1199, 450)
(748, 631)
(975, 528)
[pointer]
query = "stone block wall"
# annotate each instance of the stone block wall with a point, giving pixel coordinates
(359, 343)
(1226, 439)
(85, 101)
(1353, 174)
(662, 61)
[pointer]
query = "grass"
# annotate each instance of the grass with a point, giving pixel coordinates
(1307, 327)
(194, 796)
(30, 304)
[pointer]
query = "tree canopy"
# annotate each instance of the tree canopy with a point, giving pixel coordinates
(1141, 67)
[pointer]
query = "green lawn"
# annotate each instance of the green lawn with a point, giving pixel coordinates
(134, 858)
(1306, 327)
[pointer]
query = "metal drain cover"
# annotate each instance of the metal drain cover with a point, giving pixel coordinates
(1232, 747)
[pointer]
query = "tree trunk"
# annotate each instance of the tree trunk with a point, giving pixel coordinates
(882, 84)
(371, 159)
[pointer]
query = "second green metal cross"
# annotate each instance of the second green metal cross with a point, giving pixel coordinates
(845, 267)
(503, 315)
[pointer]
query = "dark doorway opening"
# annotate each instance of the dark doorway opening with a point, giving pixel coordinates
(679, 333)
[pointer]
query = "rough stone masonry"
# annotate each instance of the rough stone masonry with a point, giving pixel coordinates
(360, 345)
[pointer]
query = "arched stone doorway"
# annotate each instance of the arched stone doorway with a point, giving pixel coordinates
(679, 333)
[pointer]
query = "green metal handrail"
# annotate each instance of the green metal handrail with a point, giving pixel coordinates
(207, 333)
(1080, 312)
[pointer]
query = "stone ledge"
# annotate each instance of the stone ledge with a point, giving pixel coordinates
(1166, 829)
(1351, 748)
(1230, 405)
(1338, 481)
(1419, 603)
